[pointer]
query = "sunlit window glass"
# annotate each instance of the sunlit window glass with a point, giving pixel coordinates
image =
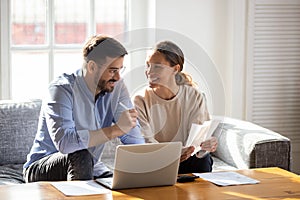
(47, 37)
(110, 16)
(71, 17)
(67, 62)
(28, 22)
(29, 74)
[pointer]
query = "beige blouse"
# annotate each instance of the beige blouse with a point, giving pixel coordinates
(170, 120)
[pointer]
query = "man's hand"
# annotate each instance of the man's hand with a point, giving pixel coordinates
(210, 145)
(186, 153)
(127, 120)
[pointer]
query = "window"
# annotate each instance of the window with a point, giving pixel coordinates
(46, 39)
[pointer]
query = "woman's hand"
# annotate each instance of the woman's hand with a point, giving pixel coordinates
(186, 153)
(210, 145)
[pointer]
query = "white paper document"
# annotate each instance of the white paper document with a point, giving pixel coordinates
(201, 132)
(226, 178)
(79, 188)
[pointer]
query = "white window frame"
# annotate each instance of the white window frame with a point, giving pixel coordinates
(5, 56)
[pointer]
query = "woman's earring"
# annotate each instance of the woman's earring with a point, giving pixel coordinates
(179, 79)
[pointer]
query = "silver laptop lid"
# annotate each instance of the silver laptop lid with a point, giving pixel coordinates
(152, 164)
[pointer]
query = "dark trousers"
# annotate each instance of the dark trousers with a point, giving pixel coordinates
(196, 165)
(61, 167)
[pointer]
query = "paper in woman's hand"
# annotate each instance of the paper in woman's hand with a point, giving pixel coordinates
(201, 132)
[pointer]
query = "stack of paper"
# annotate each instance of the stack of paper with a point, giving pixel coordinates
(226, 178)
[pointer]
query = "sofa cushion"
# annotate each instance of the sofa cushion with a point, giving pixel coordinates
(18, 124)
(108, 156)
(11, 174)
(219, 165)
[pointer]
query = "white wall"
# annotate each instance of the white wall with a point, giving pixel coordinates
(207, 22)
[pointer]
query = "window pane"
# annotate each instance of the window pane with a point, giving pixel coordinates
(67, 62)
(28, 22)
(29, 75)
(110, 16)
(71, 17)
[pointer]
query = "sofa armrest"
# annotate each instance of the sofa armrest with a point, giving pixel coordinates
(246, 145)
(271, 154)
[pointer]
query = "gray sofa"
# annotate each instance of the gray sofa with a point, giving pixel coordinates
(242, 144)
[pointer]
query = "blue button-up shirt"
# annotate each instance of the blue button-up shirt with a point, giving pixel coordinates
(70, 112)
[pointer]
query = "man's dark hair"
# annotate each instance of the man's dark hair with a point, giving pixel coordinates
(99, 47)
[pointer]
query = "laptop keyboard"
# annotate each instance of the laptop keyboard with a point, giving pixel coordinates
(105, 181)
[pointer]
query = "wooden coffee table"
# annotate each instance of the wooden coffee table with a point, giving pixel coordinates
(275, 183)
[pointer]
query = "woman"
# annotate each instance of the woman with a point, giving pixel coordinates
(171, 104)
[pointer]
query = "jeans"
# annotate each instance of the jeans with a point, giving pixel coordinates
(195, 164)
(61, 167)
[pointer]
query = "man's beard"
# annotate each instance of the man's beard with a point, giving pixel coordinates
(102, 86)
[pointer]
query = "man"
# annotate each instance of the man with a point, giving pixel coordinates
(83, 111)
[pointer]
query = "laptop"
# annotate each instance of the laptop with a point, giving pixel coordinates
(144, 165)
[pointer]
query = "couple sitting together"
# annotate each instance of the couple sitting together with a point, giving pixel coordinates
(84, 110)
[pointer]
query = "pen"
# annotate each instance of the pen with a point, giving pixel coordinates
(125, 107)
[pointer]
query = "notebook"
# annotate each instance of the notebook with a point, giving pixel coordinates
(144, 165)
